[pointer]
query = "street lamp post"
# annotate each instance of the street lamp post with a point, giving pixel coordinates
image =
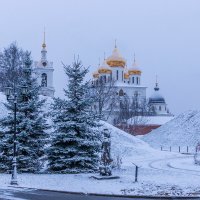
(13, 97)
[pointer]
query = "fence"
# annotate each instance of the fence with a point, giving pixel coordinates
(180, 149)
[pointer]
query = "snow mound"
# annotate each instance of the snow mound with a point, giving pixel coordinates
(3, 109)
(150, 120)
(128, 147)
(183, 130)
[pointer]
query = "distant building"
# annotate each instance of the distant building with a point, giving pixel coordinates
(157, 102)
(128, 82)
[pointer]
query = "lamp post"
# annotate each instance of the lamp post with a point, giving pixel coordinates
(12, 96)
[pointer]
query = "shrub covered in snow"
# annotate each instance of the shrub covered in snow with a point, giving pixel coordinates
(197, 154)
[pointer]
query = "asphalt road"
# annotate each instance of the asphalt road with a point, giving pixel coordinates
(13, 194)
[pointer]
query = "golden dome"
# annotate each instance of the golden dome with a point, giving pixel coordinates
(116, 60)
(96, 75)
(126, 76)
(134, 70)
(104, 68)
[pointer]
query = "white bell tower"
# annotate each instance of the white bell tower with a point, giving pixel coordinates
(44, 73)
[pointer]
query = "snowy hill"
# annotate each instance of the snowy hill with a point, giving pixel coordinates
(128, 147)
(183, 130)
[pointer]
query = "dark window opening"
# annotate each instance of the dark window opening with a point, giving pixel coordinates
(44, 80)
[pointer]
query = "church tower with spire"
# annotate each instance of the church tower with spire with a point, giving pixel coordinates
(157, 102)
(44, 73)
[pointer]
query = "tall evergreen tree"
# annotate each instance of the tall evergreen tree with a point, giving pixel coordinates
(31, 125)
(75, 147)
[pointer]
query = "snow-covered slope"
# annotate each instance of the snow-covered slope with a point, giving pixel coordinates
(3, 110)
(128, 147)
(183, 130)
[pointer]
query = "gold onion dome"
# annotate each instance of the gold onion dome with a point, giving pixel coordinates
(104, 68)
(126, 75)
(134, 70)
(116, 60)
(96, 74)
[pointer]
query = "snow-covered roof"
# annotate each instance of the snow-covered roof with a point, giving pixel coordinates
(156, 97)
(134, 67)
(120, 84)
(116, 56)
(151, 120)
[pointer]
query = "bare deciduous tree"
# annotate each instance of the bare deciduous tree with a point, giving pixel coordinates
(11, 65)
(104, 94)
(133, 113)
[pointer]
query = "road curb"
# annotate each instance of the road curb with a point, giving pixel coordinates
(110, 195)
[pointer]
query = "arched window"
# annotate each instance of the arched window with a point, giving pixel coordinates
(121, 92)
(104, 79)
(44, 80)
(137, 80)
(133, 79)
(160, 108)
(117, 74)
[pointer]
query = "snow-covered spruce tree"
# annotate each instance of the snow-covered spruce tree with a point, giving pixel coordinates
(75, 147)
(197, 154)
(31, 126)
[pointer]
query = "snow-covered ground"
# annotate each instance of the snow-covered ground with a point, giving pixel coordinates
(156, 177)
(181, 131)
(159, 172)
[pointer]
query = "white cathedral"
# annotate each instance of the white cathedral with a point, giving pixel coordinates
(44, 73)
(128, 81)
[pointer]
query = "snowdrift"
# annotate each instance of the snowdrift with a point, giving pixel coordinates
(128, 147)
(183, 131)
(3, 109)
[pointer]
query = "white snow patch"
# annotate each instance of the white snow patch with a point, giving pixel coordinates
(155, 176)
(181, 131)
(151, 120)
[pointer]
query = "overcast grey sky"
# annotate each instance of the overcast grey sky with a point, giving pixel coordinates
(164, 34)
